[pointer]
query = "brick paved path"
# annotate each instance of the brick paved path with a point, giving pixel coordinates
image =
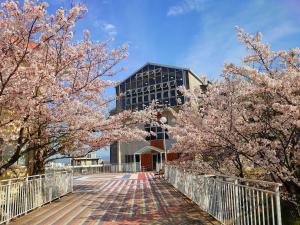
(119, 199)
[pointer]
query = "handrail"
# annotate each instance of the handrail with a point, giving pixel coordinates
(229, 201)
(18, 196)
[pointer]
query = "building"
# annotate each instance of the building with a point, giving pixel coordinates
(88, 160)
(151, 82)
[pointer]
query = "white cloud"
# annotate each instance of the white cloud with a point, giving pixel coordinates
(187, 6)
(108, 28)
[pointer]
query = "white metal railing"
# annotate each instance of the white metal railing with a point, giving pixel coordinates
(21, 195)
(106, 168)
(230, 200)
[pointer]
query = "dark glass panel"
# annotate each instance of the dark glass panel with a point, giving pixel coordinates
(160, 136)
(133, 100)
(171, 76)
(122, 87)
(179, 93)
(140, 106)
(173, 102)
(180, 100)
(179, 74)
(159, 129)
(165, 86)
(164, 69)
(158, 87)
(153, 137)
(165, 77)
(152, 97)
(179, 82)
(133, 84)
(152, 79)
(152, 89)
(166, 94)
(173, 93)
(150, 67)
(158, 78)
(146, 98)
(140, 99)
(139, 82)
(118, 90)
(145, 81)
(158, 96)
(134, 107)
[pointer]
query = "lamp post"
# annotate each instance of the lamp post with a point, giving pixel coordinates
(164, 120)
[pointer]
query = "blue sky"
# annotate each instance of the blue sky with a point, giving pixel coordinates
(198, 34)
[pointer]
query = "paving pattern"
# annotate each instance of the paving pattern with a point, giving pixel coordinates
(123, 199)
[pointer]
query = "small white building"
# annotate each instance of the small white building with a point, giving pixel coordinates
(88, 160)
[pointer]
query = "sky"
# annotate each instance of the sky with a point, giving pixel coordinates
(196, 34)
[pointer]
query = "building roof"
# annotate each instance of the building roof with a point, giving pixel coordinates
(162, 65)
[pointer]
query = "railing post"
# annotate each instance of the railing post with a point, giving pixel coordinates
(72, 180)
(8, 201)
(278, 208)
(237, 208)
(26, 195)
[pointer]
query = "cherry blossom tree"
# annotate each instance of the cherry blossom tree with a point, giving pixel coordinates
(52, 88)
(249, 120)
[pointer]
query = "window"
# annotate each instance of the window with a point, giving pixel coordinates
(179, 93)
(158, 130)
(158, 95)
(152, 97)
(151, 79)
(173, 93)
(140, 99)
(133, 84)
(129, 158)
(145, 81)
(133, 92)
(166, 94)
(171, 76)
(158, 78)
(165, 77)
(146, 98)
(139, 82)
(139, 90)
(133, 100)
(165, 86)
(152, 88)
(173, 83)
(173, 102)
(128, 101)
(122, 87)
(180, 100)
(128, 86)
(134, 107)
(158, 87)
(140, 106)
(179, 78)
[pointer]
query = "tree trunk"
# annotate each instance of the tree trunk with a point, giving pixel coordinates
(36, 163)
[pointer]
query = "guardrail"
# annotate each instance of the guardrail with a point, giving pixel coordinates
(96, 169)
(107, 168)
(230, 200)
(21, 195)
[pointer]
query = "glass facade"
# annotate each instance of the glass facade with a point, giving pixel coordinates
(151, 83)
